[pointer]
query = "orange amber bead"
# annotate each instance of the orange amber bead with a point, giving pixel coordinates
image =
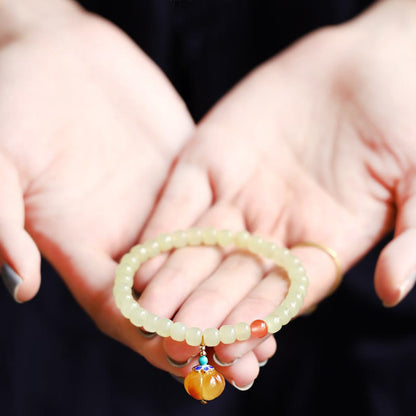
(204, 383)
(258, 328)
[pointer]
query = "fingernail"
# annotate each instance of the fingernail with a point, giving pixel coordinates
(263, 363)
(178, 364)
(11, 280)
(179, 379)
(146, 334)
(244, 388)
(222, 363)
(404, 289)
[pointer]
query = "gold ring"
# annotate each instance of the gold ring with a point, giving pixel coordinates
(331, 253)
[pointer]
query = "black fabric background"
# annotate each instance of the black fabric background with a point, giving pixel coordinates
(352, 356)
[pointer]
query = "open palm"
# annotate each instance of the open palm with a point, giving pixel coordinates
(314, 145)
(82, 161)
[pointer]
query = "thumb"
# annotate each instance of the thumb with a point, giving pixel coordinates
(19, 256)
(395, 273)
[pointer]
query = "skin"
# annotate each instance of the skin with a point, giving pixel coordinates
(316, 144)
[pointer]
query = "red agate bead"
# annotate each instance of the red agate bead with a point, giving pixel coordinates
(258, 328)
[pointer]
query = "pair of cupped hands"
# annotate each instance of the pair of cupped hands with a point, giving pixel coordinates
(98, 152)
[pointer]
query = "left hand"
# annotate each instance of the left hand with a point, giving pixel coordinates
(87, 137)
(317, 144)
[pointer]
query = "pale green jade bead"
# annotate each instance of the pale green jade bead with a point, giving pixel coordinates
(125, 308)
(194, 236)
(140, 252)
(138, 316)
(299, 297)
(128, 311)
(209, 236)
(152, 247)
(293, 296)
(178, 331)
(256, 244)
(300, 279)
(227, 334)
(125, 302)
(298, 273)
(242, 331)
(289, 264)
(292, 306)
(120, 294)
(130, 260)
(165, 242)
(224, 237)
(123, 289)
(211, 337)
(163, 327)
(300, 288)
(280, 257)
(124, 269)
(241, 239)
(193, 336)
(133, 307)
(270, 250)
(180, 239)
(283, 313)
(274, 323)
(150, 322)
(124, 279)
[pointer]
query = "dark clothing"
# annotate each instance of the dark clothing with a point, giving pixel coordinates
(350, 357)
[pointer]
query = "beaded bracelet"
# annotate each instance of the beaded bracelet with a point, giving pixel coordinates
(204, 382)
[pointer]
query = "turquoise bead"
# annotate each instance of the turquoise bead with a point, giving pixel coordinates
(203, 360)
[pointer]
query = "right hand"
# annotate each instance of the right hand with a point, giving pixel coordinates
(317, 145)
(89, 127)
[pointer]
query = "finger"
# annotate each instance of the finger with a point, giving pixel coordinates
(265, 350)
(177, 209)
(19, 255)
(214, 297)
(395, 273)
(243, 373)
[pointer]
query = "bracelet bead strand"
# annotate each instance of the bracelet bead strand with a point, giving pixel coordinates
(226, 334)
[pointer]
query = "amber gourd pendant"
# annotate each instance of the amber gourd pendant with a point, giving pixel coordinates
(204, 382)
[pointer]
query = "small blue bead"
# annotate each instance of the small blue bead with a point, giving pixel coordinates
(203, 360)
